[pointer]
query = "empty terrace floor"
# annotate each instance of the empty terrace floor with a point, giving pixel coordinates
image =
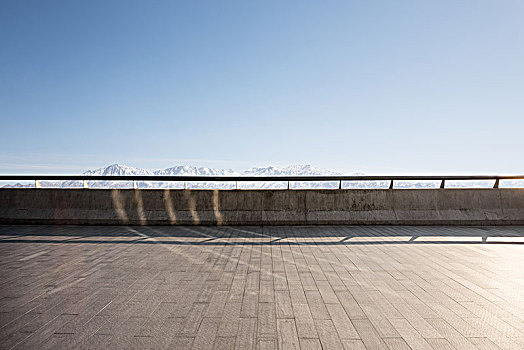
(323, 287)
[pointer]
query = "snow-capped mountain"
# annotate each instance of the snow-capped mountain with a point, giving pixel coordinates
(187, 170)
(292, 170)
(119, 170)
(181, 170)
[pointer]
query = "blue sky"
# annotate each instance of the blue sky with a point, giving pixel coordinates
(381, 87)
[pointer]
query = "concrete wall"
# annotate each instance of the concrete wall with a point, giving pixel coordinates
(263, 207)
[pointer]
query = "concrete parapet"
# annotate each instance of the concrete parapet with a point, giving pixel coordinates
(263, 207)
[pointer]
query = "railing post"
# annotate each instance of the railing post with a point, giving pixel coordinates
(496, 185)
(236, 185)
(288, 185)
(134, 185)
(391, 185)
(442, 183)
(185, 185)
(340, 185)
(84, 183)
(37, 184)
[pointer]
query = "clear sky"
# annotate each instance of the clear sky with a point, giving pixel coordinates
(380, 87)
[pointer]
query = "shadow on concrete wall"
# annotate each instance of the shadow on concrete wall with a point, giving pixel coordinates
(262, 207)
(172, 207)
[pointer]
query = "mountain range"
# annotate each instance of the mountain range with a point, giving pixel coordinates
(292, 170)
(295, 170)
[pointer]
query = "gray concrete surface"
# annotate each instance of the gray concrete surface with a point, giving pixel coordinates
(247, 288)
(263, 207)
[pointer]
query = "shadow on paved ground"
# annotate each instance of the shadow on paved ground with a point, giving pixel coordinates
(257, 235)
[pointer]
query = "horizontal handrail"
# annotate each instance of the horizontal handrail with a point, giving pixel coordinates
(237, 179)
(257, 178)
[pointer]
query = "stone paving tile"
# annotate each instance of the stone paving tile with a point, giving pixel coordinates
(323, 287)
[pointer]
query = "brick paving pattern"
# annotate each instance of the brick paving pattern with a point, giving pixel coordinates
(325, 287)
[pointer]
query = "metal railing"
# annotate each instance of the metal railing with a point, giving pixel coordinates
(237, 179)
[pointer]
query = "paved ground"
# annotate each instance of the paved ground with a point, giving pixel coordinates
(379, 287)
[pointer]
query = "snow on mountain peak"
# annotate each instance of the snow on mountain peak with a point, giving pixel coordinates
(195, 171)
(118, 170)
